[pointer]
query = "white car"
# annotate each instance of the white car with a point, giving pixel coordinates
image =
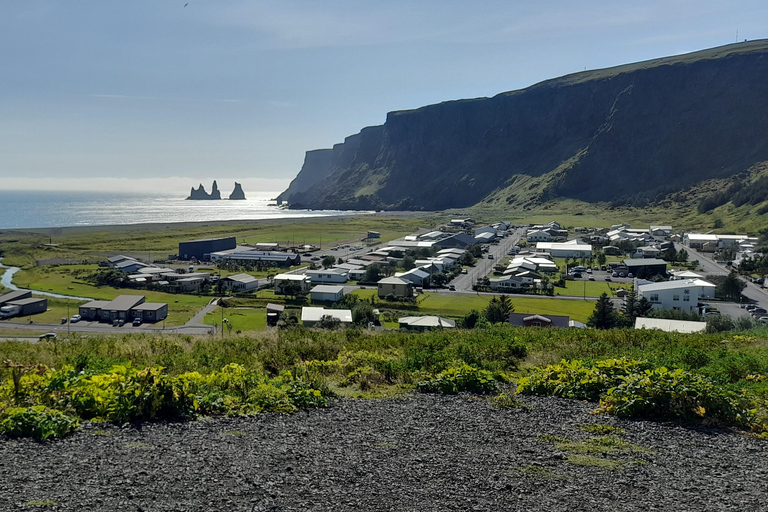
(75, 319)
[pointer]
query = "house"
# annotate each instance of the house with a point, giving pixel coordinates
(509, 282)
(677, 275)
(190, 282)
(150, 312)
(240, 283)
(328, 275)
(700, 241)
(663, 324)
(114, 260)
(283, 281)
(425, 323)
(124, 307)
(661, 231)
(326, 293)
(536, 320)
(646, 268)
(572, 249)
(245, 256)
(682, 295)
(373, 234)
(647, 252)
(274, 312)
(486, 237)
(458, 240)
(416, 276)
(394, 286)
(130, 266)
(312, 315)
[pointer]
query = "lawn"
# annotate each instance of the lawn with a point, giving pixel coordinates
(57, 309)
(65, 280)
(591, 288)
(456, 306)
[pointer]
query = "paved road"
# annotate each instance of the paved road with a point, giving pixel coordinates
(484, 266)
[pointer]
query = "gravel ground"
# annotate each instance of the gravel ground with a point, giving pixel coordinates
(418, 452)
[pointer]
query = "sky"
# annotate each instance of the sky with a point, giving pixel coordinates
(149, 95)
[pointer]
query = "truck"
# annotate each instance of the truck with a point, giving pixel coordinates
(10, 311)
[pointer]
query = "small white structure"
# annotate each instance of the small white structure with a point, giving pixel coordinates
(310, 316)
(683, 295)
(240, 283)
(509, 282)
(663, 324)
(677, 275)
(326, 293)
(328, 275)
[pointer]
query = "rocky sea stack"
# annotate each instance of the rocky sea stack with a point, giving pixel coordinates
(200, 193)
(237, 193)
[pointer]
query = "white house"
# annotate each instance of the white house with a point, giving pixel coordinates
(328, 275)
(326, 293)
(661, 231)
(683, 295)
(310, 316)
(416, 276)
(240, 283)
(663, 324)
(509, 282)
(281, 281)
(538, 235)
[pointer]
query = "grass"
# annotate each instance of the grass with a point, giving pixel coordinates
(590, 288)
(596, 462)
(445, 304)
(241, 319)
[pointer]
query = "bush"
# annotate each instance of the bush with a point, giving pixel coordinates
(37, 422)
(464, 378)
(663, 393)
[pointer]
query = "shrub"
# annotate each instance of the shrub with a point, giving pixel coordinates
(37, 422)
(455, 380)
(663, 393)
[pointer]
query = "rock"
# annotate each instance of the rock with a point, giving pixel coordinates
(200, 193)
(238, 193)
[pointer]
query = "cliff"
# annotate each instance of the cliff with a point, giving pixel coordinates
(200, 193)
(238, 193)
(635, 132)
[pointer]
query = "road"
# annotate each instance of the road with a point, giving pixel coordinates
(484, 266)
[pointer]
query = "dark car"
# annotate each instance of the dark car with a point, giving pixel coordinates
(137, 322)
(452, 288)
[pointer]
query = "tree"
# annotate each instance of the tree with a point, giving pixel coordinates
(498, 309)
(471, 319)
(643, 307)
(372, 274)
(438, 279)
(328, 322)
(409, 263)
(604, 316)
(475, 250)
(730, 286)
(629, 308)
(682, 256)
(328, 261)
(362, 313)
(601, 258)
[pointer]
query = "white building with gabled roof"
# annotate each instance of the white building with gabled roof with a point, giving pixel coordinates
(681, 295)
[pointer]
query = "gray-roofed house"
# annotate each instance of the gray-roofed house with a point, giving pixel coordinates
(240, 283)
(150, 312)
(120, 307)
(394, 286)
(326, 293)
(30, 305)
(311, 315)
(425, 323)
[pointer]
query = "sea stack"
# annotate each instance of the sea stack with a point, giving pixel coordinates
(200, 193)
(237, 193)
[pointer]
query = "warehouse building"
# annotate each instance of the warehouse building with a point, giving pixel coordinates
(201, 249)
(124, 307)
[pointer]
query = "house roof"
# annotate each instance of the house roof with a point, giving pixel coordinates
(555, 320)
(290, 277)
(393, 280)
(241, 278)
(639, 262)
(674, 285)
(537, 317)
(327, 288)
(310, 314)
(427, 321)
(24, 302)
(150, 306)
(16, 294)
(123, 302)
(563, 246)
(664, 324)
(95, 304)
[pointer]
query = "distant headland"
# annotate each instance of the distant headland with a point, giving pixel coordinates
(199, 193)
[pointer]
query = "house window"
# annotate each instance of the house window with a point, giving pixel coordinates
(654, 298)
(535, 324)
(686, 298)
(676, 297)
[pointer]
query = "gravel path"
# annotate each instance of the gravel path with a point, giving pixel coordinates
(419, 452)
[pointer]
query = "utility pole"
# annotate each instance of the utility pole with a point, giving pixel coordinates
(68, 318)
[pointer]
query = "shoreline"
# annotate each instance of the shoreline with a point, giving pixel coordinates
(150, 226)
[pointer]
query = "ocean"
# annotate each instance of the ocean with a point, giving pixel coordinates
(50, 209)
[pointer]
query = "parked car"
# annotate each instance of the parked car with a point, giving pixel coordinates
(314, 258)
(463, 271)
(63, 320)
(630, 275)
(136, 322)
(591, 278)
(602, 267)
(452, 288)
(490, 256)
(576, 275)
(48, 336)
(75, 319)
(759, 311)
(763, 319)
(608, 278)
(615, 274)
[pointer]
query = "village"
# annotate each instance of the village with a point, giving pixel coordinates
(459, 262)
